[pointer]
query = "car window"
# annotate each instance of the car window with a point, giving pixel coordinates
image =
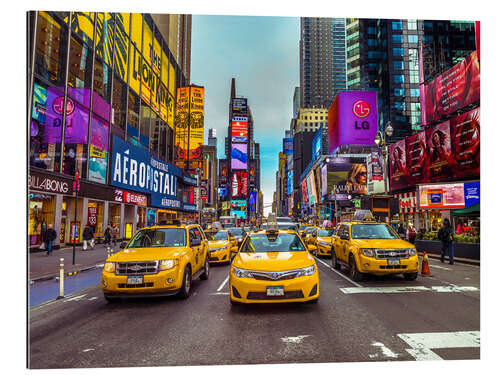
(283, 242)
(325, 232)
(372, 231)
(220, 236)
(194, 233)
(164, 237)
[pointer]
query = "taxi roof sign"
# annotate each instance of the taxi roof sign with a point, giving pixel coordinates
(170, 222)
(272, 224)
(363, 215)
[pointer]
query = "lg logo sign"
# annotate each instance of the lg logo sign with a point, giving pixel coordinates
(361, 109)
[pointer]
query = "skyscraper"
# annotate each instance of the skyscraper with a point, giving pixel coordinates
(322, 60)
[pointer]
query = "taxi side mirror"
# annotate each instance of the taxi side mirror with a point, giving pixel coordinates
(344, 236)
(195, 242)
(122, 245)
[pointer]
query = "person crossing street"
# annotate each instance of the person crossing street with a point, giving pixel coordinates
(445, 235)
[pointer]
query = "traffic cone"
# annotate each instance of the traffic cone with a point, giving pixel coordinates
(425, 265)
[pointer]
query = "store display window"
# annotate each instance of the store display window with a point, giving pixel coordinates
(41, 214)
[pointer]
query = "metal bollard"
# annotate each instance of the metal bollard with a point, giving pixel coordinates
(61, 279)
(108, 249)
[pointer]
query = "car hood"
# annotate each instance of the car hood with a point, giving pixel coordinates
(325, 239)
(212, 244)
(273, 261)
(146, 254)
(382, 244)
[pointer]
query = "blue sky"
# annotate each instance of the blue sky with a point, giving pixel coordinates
(262, 54)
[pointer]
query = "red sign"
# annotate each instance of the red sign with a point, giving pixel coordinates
(130, 198)
(416, 157)
(452, 90)
(361, 109)
(465, 144)
(438, 143)
(92, 216)
(239, 184)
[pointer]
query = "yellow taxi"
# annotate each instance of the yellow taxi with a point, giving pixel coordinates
(220, 245)
(323, 241)
(273, 265)
(309, 236)
(369, 247)
(157, 261)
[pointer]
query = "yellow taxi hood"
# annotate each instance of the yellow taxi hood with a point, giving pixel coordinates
(382, 244)
(273, 261)
(325, 239)
(218, 243)
(145, 253)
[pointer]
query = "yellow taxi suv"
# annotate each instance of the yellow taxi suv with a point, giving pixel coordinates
(157, 261)
(369, 247)
(220, 245)
(271, 266)
(323, 241)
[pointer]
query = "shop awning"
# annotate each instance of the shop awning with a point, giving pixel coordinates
(473, 210)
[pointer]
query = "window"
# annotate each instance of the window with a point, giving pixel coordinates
(412, 24)
(399, 92)
(397, 38)
(397, 25)
(400, 106)
(414, 92)
(397, 52)
(399, 78)
(413, 39)
(398, 65)
(80, 72)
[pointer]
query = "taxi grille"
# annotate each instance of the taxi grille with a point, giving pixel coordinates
(137, 268)
(275, 276)
(393, 267)
(392, 253)
(263, 295)
(130, 286)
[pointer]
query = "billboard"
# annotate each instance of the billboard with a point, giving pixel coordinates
(352, 119)
(316, 144)
(239, 129)
(376, 161)
(346, 175)
(253, 201)
(472, 193)
(441, 196)
(239, 105)
(239, 184)
(239, 153)
(305, 197)
(290, 182)
(465, 144)
(239, 209)
(223, 171)
(398, 168)
(416, 158)
(189, 120)
(438, 143)
(288, 146)
(454, 89)
(252, 169)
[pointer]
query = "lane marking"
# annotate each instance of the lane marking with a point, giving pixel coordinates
(422, 343)
(87, 350)
(93, 298)
(385, 351)
(439, 267)
(223, 283)
(294, 340)
(77, 298)
(339, 273)
(410, 289)
(219, 294)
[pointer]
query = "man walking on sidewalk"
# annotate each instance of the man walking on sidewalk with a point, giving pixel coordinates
(49, 236)
(445, 235)
(88, 235)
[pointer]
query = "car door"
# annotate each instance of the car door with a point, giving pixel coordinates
(204, 248)
(195, 246)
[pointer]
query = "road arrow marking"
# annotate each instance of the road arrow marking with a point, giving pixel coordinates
(223, 283)
(385, 351)
(77, 298)
(294, 340)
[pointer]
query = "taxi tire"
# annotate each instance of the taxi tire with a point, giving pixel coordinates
(354, 274)
(206, 270)
(234, 303)
(335, 262)
(184, 291)
(112, 299)
(313, 301)
(410, 276)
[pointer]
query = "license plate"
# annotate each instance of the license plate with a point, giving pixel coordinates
(134, 280)
(393, 262)
(275, 291)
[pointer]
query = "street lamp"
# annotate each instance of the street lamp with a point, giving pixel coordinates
(380, 141)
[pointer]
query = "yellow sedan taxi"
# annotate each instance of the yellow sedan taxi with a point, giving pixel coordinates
(369, 247)
(220, 245)
(157, 261)
(271, 266)
(323, 241)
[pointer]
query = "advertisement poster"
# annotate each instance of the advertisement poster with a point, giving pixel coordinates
(239, 209)
(92, 214)
(441, 196)
(347, 175)
(97, 165)
(352, 119)
(253, 201)
(316, 144)
(239, 105)
(252, 169)
(465, 144)
(324, 190)
(472, 193)
(416, 158)
(223, 171)
(305, 198)
(290, 182)
(438, 141)
(452, 90)
(239, 155)
(239, 129)
(398, 169)
(288, 146)
(239, 184)
(151, 217)
(376, 164)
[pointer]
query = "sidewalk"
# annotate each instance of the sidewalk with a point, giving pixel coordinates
(474, 262)
(43, 267)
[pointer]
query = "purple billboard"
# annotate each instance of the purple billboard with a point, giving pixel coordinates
(352, 119)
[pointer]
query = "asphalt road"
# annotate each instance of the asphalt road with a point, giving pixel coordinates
(376, 319)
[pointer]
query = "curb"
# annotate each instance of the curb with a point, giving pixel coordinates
(71, 273)
(472, 262)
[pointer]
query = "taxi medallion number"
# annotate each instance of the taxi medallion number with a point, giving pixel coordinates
(393, 262)
(135, 280)
(275, 291)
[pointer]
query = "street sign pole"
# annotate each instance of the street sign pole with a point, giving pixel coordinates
(76, 187)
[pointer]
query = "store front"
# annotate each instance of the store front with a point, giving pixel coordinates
(164, 215)
(41, 214)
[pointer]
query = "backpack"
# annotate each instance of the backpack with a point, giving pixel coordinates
(444, 235)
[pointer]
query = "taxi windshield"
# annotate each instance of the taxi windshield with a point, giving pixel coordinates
(263, 243)
(326, 232)
(236, 232)
(219, 236)
(162, 237)
(373, 231)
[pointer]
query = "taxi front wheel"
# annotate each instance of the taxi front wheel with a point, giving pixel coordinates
(186, 283)
(353, 269)
(206, 270)
(335, 262)
(410, 276)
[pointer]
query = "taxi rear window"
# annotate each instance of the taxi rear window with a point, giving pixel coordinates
(263, 243)
(219, 236)
(162, 237)
(372, 231)
(325, 232)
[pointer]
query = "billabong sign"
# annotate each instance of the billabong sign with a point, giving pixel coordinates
(50, 184)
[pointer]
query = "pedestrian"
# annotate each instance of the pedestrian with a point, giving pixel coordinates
(445, 235)
(411, 234)
(107, 235)
(114, 233)
(49, 236)
(88, 236)
(401, 231)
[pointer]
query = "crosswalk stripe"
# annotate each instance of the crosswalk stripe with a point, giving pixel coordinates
(409, 289)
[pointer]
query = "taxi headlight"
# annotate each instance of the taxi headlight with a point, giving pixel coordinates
(238, 272)
(412, 252)
(109, 266)
(368, 252)
(167, 264)
(307, 271)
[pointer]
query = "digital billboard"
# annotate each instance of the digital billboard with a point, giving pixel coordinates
(454, 89)
(239, 209)
(239, 153)
(398, 169)
(223, 171)
(290, 182)
(239, 129)
(288, 146)
(239, 184)
(465, 146)
(347, 175)
(252, 170)
(416, 158)
(472, 193)
(376, 161)
(316, 144)
(352, 119)
(438, 141)
(239, 105)
(441, 196)
(253, 201)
